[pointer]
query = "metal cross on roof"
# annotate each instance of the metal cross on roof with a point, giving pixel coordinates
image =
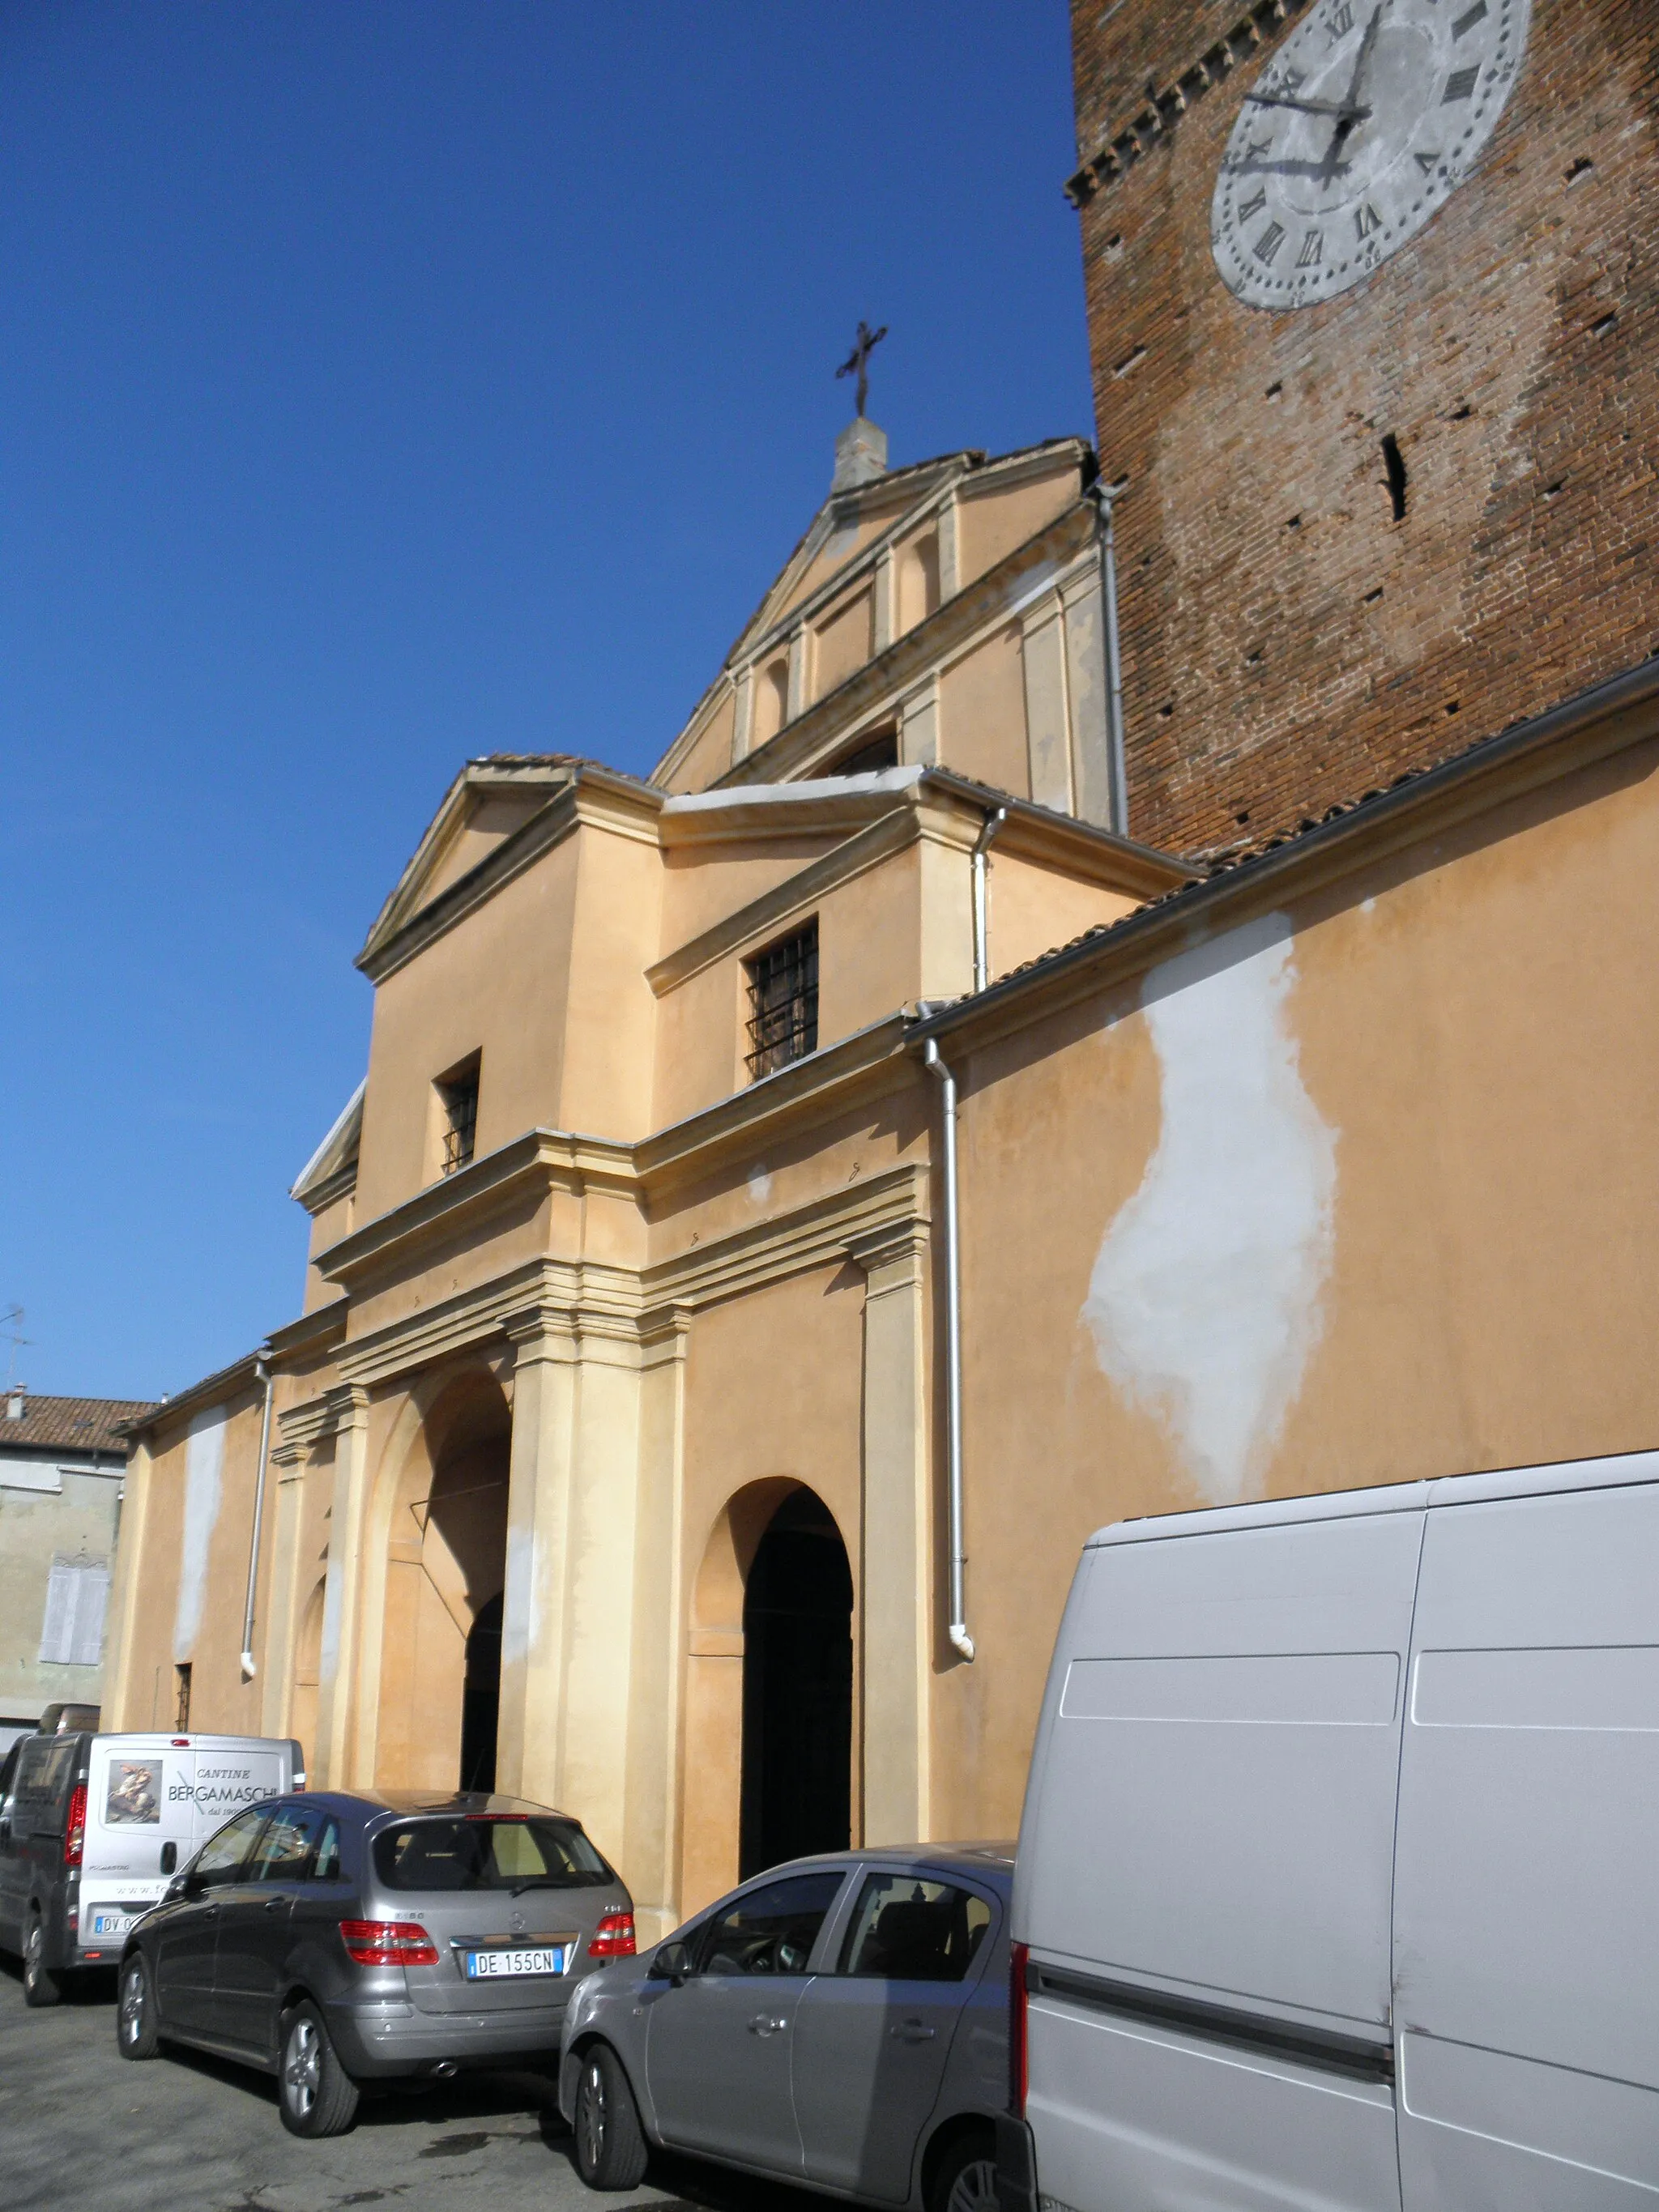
(857, 362)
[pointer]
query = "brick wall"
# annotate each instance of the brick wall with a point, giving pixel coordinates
(1287, 642)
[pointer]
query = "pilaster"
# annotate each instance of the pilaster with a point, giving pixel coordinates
(896, 1580)
(885, 610)
(949, 561)
(918, 729)
(1048, 731)
(1085, 679)
(743, 726)
(800, 671)
(120, 1704)
(528, 1746)
(347, 1410)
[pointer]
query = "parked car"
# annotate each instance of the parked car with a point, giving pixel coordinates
(1336, 1880)
(348, 1936)
(92, 1828)
(842, 2021)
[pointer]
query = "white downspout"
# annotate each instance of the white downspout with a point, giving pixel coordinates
(961, 1642)
(1103, 496)
(262, 1370)
(993, 822)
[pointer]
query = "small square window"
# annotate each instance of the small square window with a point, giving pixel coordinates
(783, 1002)
(457, 1111)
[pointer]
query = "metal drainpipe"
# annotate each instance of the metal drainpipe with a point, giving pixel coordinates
(262, 1370)
(993, 822)
(1103, 496)
(961, 1641)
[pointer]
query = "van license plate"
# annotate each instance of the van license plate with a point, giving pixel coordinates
(502, 1965)
(111, 1924)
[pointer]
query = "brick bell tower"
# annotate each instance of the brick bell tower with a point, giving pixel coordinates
(1371, 298)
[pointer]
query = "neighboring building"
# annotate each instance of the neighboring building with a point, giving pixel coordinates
(62, 1461)
(610, 1456)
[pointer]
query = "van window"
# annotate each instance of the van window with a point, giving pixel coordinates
(43, 1774)
(908, 1930)
(481, 1853)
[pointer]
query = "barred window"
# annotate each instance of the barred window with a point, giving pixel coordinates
(783, 1002)
(458, 1099)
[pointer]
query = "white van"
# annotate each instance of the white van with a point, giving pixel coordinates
(92, 1828)
(1339, 1877)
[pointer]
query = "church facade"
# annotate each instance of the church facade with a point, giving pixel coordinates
(793, 1199)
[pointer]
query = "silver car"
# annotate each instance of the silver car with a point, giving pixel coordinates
(841, 2021)
(350, 1936)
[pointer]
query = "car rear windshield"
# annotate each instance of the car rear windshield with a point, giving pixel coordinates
(481, 1853)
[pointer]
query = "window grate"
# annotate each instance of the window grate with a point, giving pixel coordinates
(783, 1002)
(460, 1106)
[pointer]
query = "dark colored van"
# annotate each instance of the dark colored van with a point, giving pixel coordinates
(92, 1828)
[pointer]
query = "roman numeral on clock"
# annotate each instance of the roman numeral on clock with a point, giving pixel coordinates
(1340, 21)
(1269, 242)
(1426, 162)
(1366, 219)
(1254, 205)
(1459, 85)
(1468, 19)
(1313, 249)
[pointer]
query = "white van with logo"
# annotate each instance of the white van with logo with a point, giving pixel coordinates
(92, 1828)
(1339, 1878)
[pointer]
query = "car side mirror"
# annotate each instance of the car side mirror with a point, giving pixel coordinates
(178, 1888)
(671, 1964)
(169, 1857)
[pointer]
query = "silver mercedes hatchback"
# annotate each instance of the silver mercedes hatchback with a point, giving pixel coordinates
(350, 1936)
(841, 2021)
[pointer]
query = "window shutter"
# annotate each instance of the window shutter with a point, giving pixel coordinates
(72, 1634)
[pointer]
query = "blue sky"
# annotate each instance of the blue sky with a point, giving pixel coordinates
(381, 385)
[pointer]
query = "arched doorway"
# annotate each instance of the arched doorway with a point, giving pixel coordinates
(797, 1688)
(481, 1699)
(446, 1565)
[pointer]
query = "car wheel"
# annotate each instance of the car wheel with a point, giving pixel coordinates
(136, 2024)
(41, 1985)
(315, 2094)
(967, 2178)
(611, 2146)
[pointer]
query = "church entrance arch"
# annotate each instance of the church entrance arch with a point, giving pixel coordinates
(446, 1570)
(797, 1688)
(769, 1690)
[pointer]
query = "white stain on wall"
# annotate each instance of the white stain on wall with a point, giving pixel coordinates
(1205, 1302)
(204, 1463)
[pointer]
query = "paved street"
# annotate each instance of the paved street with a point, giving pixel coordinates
(81, 2128)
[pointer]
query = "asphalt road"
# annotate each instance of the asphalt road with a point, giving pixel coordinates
(82, 2129)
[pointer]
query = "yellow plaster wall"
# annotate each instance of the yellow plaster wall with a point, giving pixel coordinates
(491, 816)
(1033, 910)
(496, 983)
(705, 882)
(610, 1011)
(991, 523)
(709, 754)
(1473, 1024)
(844, 642)
(982, 714)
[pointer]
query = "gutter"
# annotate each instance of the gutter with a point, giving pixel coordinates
(961, 1642)
(1117, 796)
(993, 821)
(1288, 856)
(263, 1372)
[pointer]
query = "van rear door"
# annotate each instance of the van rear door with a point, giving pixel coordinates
(1205, 1867)
(141, 1796)
(1528, 1906)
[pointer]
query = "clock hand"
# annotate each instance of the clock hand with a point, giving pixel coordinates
(1346, 113)
(1340, 136)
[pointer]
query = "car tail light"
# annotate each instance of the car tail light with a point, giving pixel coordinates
(1020, 1958)
(75, 1833)
(388, 1943)
(614, 1936)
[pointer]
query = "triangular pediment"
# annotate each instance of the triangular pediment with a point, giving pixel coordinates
(487, 802)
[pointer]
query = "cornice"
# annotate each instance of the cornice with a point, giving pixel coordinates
(892, 833)
(549, 1158)
(959, 621)
(818, 1234)
(1607, 719)
(1117, 152)
(593, 796)
(310, 1333)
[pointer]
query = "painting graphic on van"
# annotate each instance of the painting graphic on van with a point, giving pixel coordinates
(135, 1793)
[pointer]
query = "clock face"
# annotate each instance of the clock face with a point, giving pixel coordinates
(1354, 134)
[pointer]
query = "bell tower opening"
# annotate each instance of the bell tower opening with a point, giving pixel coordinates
(797, 1689)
